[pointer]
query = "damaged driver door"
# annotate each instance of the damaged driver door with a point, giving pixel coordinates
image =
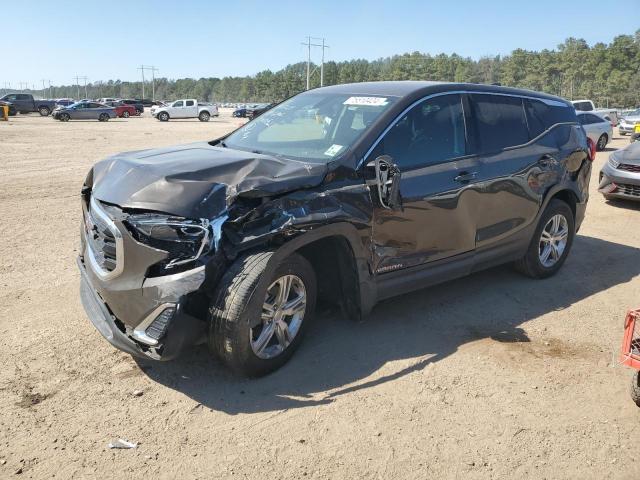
(422, 182)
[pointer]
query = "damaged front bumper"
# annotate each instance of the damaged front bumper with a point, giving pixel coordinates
(164, 332)
(619, 183)
(155, 316)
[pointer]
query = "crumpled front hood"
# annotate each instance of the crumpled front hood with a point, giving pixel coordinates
(196, 180)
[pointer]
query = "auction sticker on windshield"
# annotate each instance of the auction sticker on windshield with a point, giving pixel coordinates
(333, 150)
(373, 101)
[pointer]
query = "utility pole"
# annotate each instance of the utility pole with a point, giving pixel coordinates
(85, 87)
(44, 88)
(153, 82)
(309, 44)
(322, 64)
(141, 68)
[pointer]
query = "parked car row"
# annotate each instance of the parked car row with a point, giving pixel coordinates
(251, 111)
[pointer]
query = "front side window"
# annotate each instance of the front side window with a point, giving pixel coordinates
(177, 104)
(431, 132)
(311, 126)
(11, 98)
(189, 103)
(499, 122)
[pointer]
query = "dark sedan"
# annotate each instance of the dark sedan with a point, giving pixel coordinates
(258, 110)
(85, 111)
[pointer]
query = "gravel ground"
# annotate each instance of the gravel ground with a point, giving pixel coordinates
(490, 376)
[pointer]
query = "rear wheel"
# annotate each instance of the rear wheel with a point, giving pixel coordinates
(163, 117)
(256, 324)
(125, 114)
(551, 242)
(602, 142)
(204, 116)
(104, 117)
(44, 111)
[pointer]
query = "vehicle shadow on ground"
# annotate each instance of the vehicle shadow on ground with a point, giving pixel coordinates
(626, 204)
(423, 327)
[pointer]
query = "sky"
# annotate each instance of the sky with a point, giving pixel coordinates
(199, 38)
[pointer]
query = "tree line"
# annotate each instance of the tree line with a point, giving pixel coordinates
(609, 74)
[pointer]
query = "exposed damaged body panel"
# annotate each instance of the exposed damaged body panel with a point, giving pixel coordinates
(381, 188)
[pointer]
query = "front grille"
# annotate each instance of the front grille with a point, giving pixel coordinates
(626, 189)
(104, 241)
(629, 168)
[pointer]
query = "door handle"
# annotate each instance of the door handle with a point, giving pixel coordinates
(466, 177)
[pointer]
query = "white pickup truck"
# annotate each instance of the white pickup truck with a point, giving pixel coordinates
(185, 108)
(610, 114)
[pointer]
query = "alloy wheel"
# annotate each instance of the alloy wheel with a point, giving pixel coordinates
(553, 240)
(282, 315)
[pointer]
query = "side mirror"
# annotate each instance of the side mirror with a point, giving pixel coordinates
(387, 181)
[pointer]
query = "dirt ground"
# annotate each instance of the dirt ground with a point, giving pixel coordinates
(491, 376)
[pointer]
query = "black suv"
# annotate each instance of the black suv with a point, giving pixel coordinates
(349, 194)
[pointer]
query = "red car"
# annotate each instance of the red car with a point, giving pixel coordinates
(122, 109)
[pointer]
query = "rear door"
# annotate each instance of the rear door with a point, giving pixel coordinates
(428, 144)
(190, 109)
(509, 190)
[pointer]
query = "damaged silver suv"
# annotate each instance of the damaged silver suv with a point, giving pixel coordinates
(347, 194)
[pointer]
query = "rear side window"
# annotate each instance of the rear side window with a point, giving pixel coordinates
(583, 106)
(189, 103)
(499, 122)
(549, 115)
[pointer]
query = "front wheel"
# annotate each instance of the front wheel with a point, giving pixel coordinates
(551, 242)
(204, 116)
(257, 323)
(163, 117)
(64, 117)
(125, 114)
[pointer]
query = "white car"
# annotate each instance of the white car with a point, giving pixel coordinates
(598, 129)
(628, 122)
(185, 108)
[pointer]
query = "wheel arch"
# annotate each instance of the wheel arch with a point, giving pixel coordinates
(329, 246)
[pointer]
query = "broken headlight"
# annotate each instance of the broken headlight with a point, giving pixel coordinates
(185, 240)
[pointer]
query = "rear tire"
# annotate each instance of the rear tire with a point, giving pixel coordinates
(238, 318)
(44, 111)
(635, 388)
(602, 142)
(204, 116)
(163, 117)
(533, 264)
(104, 117)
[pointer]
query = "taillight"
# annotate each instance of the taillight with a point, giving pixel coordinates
(592, 149)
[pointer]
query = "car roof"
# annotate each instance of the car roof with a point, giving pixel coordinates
(412, 87)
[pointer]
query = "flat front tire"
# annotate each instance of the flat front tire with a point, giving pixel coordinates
(257, 323)
(551, 242)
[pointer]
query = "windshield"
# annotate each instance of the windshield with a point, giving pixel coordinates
(310, 126)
